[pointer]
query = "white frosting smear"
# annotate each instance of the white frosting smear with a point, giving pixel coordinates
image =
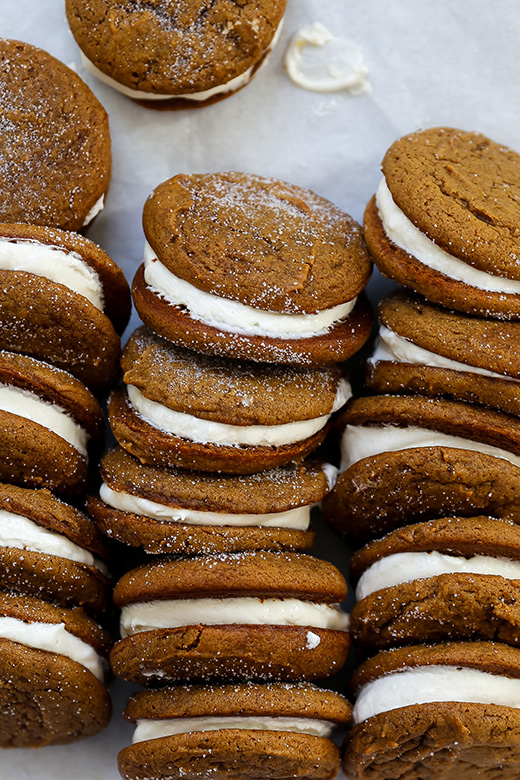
(391, 346)
(148, 616)
(54, 638)
(24, 534)
(156, 729)
(297, 519)
(319, 61)
(409, 566)
(53, 263)
(30, 406)
(422, 685)
(233, 316)
(361, 442)
(94, 211)
(197, 429)
(403, 232)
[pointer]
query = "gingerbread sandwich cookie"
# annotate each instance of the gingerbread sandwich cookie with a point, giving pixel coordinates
(177, 511)
(453, 578)
(228, 731)
(427, 350)
(170, 55)
(252, 268)
(52, 670)
(262, 615)
(55, 157)
(180, 408)
(437, 711)
(445, 220)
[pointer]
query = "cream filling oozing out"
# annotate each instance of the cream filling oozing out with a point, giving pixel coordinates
(24, 534)
(409, 566)
(53, 263)
(54, 638)
(151, 615)
(401, 231)
(221, 89)
(422, 685)
(365, 441)
(297, 519)
(208, 431)
(235, 317)
(168, 727)
(392, 347)
(25, 404)
(94, 211)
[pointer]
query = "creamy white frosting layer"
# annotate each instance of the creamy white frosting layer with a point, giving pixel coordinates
(53, 263)
(94, 211)
(156, 729)
(364, 441)
(391, 346)
(297, 519)
(421, 685)
(24, 534)
(221, 89)
(208, 431)
(408, 566)
(319, 61)
(54, 638)
(30, 406)
(233, 316)
(148, 616)
(403, 232)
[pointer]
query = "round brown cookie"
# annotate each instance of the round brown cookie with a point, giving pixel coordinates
(302, 755)
(32, 565)
(245, 647)
(181, 56)
(439, 595)
(458, 189)
(55, 141)
(437, 739)
(46, 697)
(254, 399)
(247, 241)
(474, 344)
(388, 490)
(178, 492)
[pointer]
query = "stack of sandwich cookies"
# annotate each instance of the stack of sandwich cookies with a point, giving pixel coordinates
(437, 711)
(180, 408)
(55, 157)
(251, 615)
(171, 55)
(274, 730)
(252, 268)
(175, 511)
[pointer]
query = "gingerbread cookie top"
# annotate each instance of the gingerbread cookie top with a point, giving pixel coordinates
(55, 155)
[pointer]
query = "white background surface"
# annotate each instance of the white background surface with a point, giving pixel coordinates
(448, 62)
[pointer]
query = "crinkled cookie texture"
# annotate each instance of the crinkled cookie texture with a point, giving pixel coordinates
(174, 48)
(55, 157)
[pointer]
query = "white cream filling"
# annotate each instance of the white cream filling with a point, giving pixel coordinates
(156, 729)
(24, 534)
(365, 441)
(151, 615)
(391, 346)
(297, 519)
(234, 316)
(54, 638)
(422, 685)
(319, 61)
(94, 211)
(53, 263)
(403, 232)
(409, 566)
(197, 429)
(25, 404)
(221, 89)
